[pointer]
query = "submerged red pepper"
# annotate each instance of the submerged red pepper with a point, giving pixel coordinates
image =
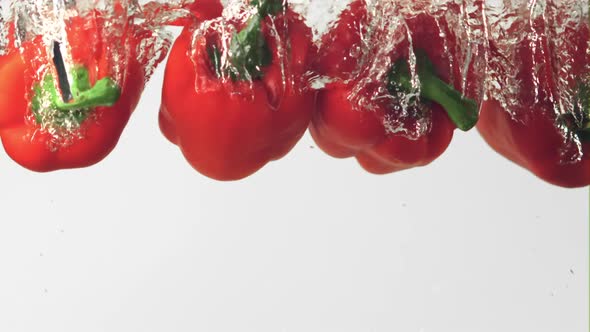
(68, 117)
(538, 131)
(344, 127)
(231, 118)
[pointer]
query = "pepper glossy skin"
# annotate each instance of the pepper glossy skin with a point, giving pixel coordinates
(344, 129)
(199, 10)
(229, 129)
(532, 138)
(35, 147)
(206, 9)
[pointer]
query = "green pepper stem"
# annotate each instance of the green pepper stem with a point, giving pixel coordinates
(583, 105)
(267, 7)
(462, 111)
(584, 134)
(249, 52)
(47, 102)
(104, 93)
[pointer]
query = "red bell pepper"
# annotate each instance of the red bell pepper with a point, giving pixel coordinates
(540, 119)
(205, 9)
(233, 109)
(54, 117)
(362, 114)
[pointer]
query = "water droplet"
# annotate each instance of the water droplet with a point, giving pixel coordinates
(355, 52)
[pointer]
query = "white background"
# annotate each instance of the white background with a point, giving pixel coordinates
(141, 242)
